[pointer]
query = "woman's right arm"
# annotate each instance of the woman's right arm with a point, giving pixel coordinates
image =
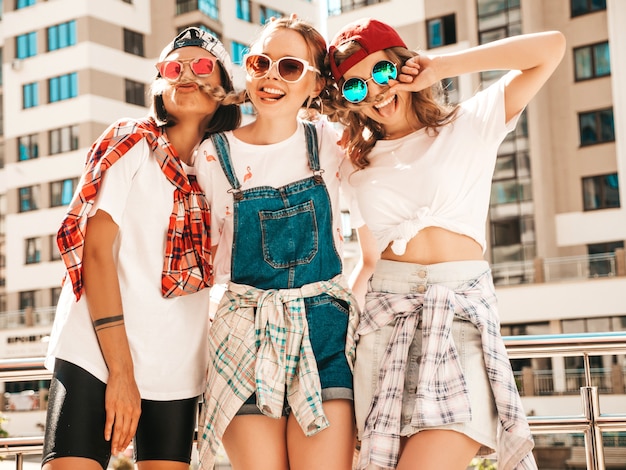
(102, 293)
(366, 264)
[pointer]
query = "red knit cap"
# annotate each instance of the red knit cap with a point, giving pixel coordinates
(372, 35)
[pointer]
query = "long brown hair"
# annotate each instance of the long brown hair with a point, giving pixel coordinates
(361, 132)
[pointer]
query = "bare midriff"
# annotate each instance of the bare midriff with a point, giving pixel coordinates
(437, 245)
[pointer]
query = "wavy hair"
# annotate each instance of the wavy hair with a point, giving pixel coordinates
(361, 132)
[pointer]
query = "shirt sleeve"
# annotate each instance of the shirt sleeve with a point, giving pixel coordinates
(488, 110)
(117, 181)
(206, 165)
(348, 194)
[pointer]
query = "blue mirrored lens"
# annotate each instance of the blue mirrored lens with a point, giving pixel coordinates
(354, 90)
(384, 71)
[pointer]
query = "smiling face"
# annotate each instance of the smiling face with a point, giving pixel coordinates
(392, 109)
(185, 97)
(271, 95)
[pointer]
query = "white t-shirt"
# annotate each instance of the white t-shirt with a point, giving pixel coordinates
(425, 180)
(273, 165)
(167, 336)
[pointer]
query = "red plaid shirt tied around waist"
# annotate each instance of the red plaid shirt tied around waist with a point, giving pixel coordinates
(186, 267)
(442, 396)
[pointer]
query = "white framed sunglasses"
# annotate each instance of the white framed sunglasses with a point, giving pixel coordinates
(290, 69)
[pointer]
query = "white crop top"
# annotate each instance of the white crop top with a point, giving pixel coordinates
(424, 180)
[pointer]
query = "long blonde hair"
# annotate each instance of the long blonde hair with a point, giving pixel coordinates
(361, 132)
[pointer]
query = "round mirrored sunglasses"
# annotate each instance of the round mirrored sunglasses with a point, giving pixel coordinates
(171, 70)
(290, 69)
(354, 89)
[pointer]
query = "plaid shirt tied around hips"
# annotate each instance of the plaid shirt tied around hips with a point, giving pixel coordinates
(186, 267)
(442, 396)
(259, 342)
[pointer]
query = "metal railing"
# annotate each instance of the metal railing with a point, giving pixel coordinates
(590, 422)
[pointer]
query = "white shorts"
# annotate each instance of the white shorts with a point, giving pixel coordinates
(403, 278)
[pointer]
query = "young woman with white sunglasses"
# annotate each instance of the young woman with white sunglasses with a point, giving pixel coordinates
(279, 389)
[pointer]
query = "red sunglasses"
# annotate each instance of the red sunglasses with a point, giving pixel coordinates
(171, 70)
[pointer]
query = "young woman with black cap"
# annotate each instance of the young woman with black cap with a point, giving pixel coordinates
(433, 381)
(128, 346)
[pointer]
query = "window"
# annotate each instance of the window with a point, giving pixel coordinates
(135, 92)
(498, 19)
(133, 42)
(62, 35)
(599, 262)
(23, 3)
(208, 7)
(55, 254)
(33, 250)
(61, 192)
(506, 232)
(55, 293)
(582, 7)
(596, 127)
(450, 90)
(64, 139)
(512, 165)
(601, 192)
(30, 95)
(243, 10)
(238, 51)
(26, 45)
(27, 147)
(63, 87)
(441, 31)
(336, 7)
(592, 61)
(27, 299)
(28, 198)
(267, 13)
(210, 31)
(507, 191)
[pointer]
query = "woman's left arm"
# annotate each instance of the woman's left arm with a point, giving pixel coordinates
(535, 56)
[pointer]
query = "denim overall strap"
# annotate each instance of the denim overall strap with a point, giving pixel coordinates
(311, 144)
(283, 236)
(220, 142)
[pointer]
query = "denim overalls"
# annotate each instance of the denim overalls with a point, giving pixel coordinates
(283, 239)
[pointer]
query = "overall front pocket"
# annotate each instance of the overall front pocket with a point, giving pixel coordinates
(289, 236)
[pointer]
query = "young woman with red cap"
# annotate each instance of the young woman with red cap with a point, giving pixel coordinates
(128, 346)
(279, 388)
(433, 381)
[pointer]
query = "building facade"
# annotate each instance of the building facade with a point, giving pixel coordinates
(557, 221)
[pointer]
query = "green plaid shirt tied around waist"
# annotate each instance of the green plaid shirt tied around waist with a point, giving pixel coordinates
(186, 267)
(259, 343)
(442, 396)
